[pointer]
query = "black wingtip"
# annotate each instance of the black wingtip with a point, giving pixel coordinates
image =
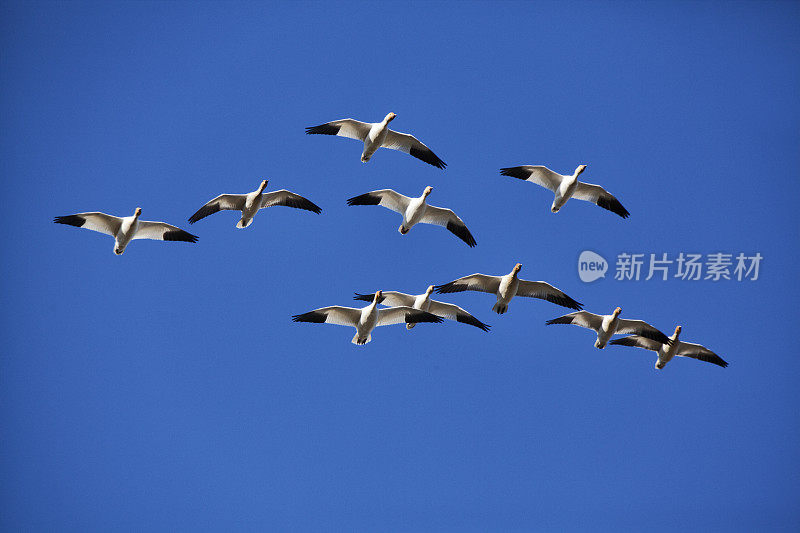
(180, 235)
(71, 220)
(444, 289)
(461, 231)
(613, 205)
(323, 129)
(312, 316)
(428, 156)
(364, 199)
(515, 172)
(472, 321)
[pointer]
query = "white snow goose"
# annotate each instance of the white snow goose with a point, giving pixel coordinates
(667, 351)
(366, 319)
(566, 187)
(508, 286)
(608, 325)
(416, 210)
(376, 135)
(250, 203)
(126, 229)
(423, 302)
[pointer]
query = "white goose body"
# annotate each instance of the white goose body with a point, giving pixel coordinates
(508, 286)
(126, 232)
(126, 229)
(565, 187)
(376, 137)
(668, 351)
(249, 204)
(566, 190)
(252, 204)
(607, 326)
(424, 303)
(367, 322)
(414, 212)
(367, 318)
(507, 290)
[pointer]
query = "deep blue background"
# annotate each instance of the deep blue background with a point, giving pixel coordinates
(168, 388)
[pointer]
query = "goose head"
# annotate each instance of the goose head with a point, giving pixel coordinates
(660, 364)
(429, 290)
(579, 170)
(138, 212)
(390, 117)
(378, 295)
(617, 311)
(262, 186)
(516, 269)
(677, 332)
(427, 191)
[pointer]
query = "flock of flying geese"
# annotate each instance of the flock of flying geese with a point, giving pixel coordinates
(409, 308)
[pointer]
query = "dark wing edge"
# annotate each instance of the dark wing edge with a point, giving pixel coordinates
(516, 172)
(422, 316)
(612, 204)
(461, 231)
(566, 319)
(365, 199)
(427, 155)
(72, 220)
(203, 212)
(472, 321)
(315, 317)
(179, 235)
(368, 297)
(324, 129)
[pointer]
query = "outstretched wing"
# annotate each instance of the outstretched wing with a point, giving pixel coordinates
(335, 314)
(545, 291)
(288, 199)
(447, 218)
(638, 342)
(389, 298)
(409, 315)
(535, 174)
(385, 198)
(161, 231)
(454, 312)
(100, 222)
(598, 195)
(230, 202)
(346, 127)
(409, 144)
(701, 353)
(473, 282)
(584, 319)
(641, 328)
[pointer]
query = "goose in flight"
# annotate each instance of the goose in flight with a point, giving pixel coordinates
(366, 319)
(126, 229)
(667, 351)
(376, 135)
(416, 210)
(250, 203)
(566, 187)
(423, 302)
(608, 325)
(508, 286)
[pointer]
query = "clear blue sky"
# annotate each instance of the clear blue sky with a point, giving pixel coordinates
(169, 389)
